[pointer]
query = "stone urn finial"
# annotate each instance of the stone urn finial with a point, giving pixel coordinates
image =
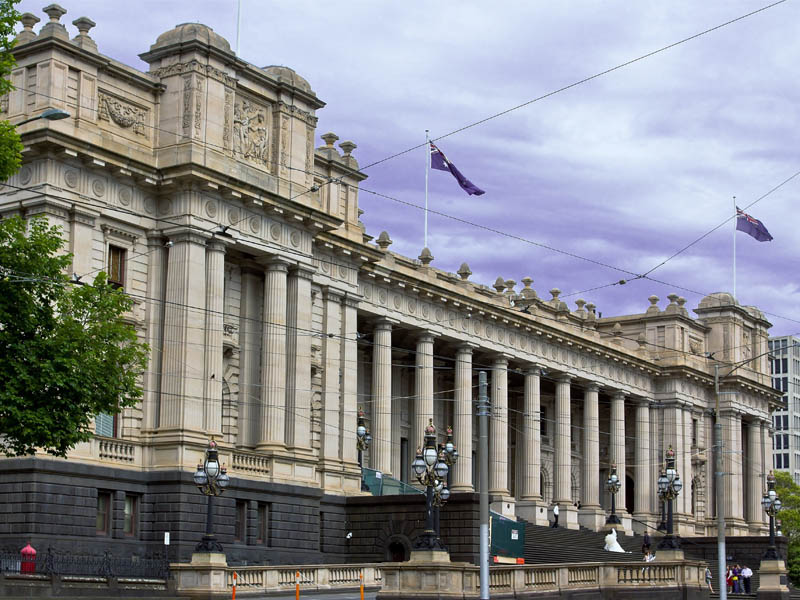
(580, 303)
(28, 20)
(499, 284)
(54, 28)
(555, 292)
(329, 139)
(673, 298)
(464, 271)
(510, 283)
(425, 257)
(383, 241)
(347, 147)
(82, 40)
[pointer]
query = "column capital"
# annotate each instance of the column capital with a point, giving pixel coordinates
(500, 360)
(351, 301)
(564, 377)
(276, 265)
(384, 324)
(619, 394)
(425, 335)
(641, 401)
(155, 237)
(217, 245)
(533, 370)
(591, 386)
(331, 294)
(302, 271)
(182, 235)
(466, 348)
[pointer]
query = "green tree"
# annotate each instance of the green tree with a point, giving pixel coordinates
(789, 494)
(10, 145)
(67, 355)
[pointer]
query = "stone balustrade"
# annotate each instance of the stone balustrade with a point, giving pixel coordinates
(117, 450)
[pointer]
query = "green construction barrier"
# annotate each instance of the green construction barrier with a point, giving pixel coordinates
(508, 537)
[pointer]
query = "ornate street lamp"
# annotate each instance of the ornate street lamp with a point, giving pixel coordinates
(363, 440)
(772, 505)
(612, 485)
(441, 493)
(431, 468)
(669, 486)
(212, 480)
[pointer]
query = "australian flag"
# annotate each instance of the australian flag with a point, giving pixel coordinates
(751, 226)
(439, 161)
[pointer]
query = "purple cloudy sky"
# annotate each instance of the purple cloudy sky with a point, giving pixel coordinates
(625, 169)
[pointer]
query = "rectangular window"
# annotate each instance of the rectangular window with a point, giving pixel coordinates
(131, 506)
(779, 461)
(694, 432)
(784, 365)
(786, 460)
(262, 532)
(786, 422)
(116, 266)
(105, 425)
(240, 526)
(543, 421)
(661, 337)
(103, 513)
(785, 441)
(770, 345)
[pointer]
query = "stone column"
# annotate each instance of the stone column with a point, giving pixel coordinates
(250, 327)
(182, 391)
(617, 445)
(562, 460)
(462, 426)
(755, 477)
(273, 364)
(215, 307)
(591, 447)
(331, 427)
(382, 397)
(423, 389)
(349, 360)
(643, 499)
(156, 265)
(766, 458)
(686, 471)
(731, 426)
(298, 372)
(530, 448)
(498, 437)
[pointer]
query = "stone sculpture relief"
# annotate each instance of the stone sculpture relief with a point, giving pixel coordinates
(251, 131)
(123, 114)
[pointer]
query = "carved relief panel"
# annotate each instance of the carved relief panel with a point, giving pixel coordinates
(123, 113)
(252, 123)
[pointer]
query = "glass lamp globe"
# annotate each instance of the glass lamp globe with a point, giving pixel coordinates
(439, 485)
(677, 484)
(777, 505)
(441, 469)
(671, 474)
(663, 483)
(445, 494)
(418, 466)
(368, 438)
(430, 456)
(772, 494)
(223, 480)
(200, 477)
(449, 447)
(361, 431)
(765, 502)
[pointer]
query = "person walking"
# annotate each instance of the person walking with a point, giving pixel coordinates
(555, 515)
(729, 578)
(709, 578)
(737, 581)
(747, 573)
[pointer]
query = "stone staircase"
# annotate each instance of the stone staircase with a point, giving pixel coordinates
(561, 545)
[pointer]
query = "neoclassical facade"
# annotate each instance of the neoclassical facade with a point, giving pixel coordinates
(272, 316)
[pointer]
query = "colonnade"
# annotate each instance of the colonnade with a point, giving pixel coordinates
(650, 428)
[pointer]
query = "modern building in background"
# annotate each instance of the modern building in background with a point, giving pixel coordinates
(785, 366)
(272, 316)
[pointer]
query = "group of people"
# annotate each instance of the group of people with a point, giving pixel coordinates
(737, 578)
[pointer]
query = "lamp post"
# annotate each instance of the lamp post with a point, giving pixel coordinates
(669, 486)
(772, 506)
(612, 485)
(51, 114)
(430, 468)
(211, 479)
(662, 524)
(363, 440)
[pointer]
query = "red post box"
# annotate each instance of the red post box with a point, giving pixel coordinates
(28, 563)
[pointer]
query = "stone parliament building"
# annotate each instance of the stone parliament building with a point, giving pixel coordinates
(272, 316)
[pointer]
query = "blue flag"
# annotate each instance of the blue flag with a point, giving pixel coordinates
(439, 161)
(752, 226)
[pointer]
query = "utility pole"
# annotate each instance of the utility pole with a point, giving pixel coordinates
(483, 471)
(719, 482)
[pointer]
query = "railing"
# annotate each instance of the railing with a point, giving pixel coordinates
(68, 565)
(265, 579)
(383, 485)
(114, 449)
(244, 462)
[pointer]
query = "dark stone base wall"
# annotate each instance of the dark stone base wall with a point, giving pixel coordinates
(745, 550)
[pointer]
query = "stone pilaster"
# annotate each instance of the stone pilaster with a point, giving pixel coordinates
(156, 265)
(617, 444)
(182, 391)
(642, 505)
(273, 365)
(382, 397)
(731, 431)
(766, 457)
(755, 477)
(423, 389)
(215, 307)
(331, 390)
(298, 358)
(462, 425)
(250, 328)
(498, 436)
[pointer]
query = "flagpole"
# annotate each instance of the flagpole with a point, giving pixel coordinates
(238, 24)
(735, 218)
(427, 168)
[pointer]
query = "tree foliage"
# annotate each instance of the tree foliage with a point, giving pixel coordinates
(10, 145)
(67, 355)
(789, 494)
